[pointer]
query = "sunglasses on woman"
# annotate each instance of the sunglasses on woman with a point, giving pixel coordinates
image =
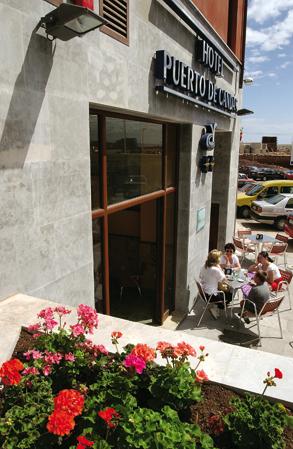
(229, 251)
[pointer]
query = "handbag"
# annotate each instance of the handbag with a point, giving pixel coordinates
(223, 287)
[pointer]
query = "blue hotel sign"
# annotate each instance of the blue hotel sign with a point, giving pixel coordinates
(181, 80)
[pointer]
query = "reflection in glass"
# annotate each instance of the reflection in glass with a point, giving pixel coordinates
(95, 162)
(98, 271)
(134, 158)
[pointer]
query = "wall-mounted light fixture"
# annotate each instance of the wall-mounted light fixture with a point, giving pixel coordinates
(68, 21)
(244, 112)
(248, 80)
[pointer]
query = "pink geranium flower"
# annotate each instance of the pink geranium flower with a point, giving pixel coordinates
(30, 370)
(69, 357)
(135, 362)
(34, 327)
(33, 354)
(77, 329)
(88, 317)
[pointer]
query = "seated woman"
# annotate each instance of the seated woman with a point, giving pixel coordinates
(259, 293)
(265, 263)
(229, 259)
(211, 275)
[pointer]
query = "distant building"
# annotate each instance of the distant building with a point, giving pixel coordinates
(271, 143)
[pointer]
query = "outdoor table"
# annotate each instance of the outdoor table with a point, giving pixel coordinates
(235, 285)
(259, 242)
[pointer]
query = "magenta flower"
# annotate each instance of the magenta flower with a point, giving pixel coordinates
(137, 363)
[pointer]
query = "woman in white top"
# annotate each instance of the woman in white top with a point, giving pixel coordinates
(229, 259)
(265, 263)
(210, 276)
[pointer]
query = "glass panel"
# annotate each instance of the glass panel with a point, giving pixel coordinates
(98, 266)
(95, 162)
(133, 262)
(169, 253)
(134, 158)
(171, 155)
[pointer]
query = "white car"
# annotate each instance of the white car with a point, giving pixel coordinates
(273, 210)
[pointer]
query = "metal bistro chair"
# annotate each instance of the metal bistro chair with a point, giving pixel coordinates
(269, 308)
(277, 250)
(243, 248)
(242, 233)
(282, 238)
(284, 285)
(206, 300)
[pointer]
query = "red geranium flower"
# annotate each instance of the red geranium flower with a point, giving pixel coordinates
(108, 415)
(200, 376)
(116, 334)
(69, 401)
(9, 372)
(144, 352)
(83, 442)
(60, 423)
(278, 374)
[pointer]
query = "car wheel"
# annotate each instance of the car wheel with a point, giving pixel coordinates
(280, 223)
(244, 212)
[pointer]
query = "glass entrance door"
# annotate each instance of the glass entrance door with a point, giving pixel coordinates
(133, 170)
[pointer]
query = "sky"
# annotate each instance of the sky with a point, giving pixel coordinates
(269, 61)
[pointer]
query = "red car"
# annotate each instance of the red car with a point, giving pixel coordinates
(289, 174)
(288, 228)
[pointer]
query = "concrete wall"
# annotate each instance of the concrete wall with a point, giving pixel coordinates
(45, 92)
(45, 223)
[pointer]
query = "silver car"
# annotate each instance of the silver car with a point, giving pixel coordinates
(273, 210)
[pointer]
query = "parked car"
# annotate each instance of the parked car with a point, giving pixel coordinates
(249, 169)
(260, 191)
(273, 210)
(246, 186)
(243, 179)
(289, 174)
(264, 174)
(288, 228)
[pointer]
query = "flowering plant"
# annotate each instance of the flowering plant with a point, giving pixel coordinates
(67, 392)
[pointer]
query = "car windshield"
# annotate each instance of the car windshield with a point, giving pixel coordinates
(274, 199)
(254, 190)
(246, 186)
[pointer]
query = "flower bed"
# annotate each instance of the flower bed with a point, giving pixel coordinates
(62, 391)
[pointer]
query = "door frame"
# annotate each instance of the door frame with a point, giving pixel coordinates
(160, 313)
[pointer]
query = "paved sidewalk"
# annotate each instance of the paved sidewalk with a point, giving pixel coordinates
(233, 330)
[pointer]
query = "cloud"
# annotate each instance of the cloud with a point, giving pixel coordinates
(257, 59)
(283, 66)
(273, 37)
(263, 10)
(282, 55)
